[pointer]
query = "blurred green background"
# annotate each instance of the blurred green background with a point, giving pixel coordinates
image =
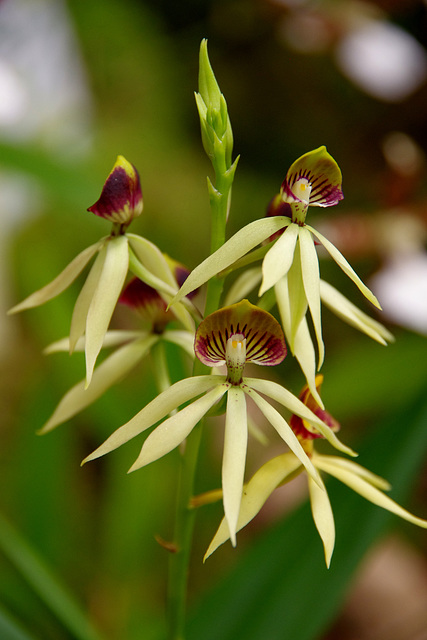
(82, 81)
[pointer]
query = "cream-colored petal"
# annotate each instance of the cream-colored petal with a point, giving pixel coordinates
(180, 392)
(82, 304)
(354, 468)
(61, 282)
(282, 428)
(345, 266)
(105, 298)
(256, 493)
(287, 399)
(304, 353)
(311, 280)
(152, 258)
(243, 285)
(112, 339)
(108, 373)
(323, 517)
(371, 493)
(351, 314)
(278, 260)
(297, 298)
(184, 339)
(175, 429)
(243, 241)
(234, 457)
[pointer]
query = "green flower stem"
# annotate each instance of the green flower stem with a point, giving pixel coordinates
(185, 514)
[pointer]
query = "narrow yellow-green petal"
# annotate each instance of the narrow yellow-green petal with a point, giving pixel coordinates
(61, 282)
(109, 372)
(243, 285)
(151, 257)
(354, 316)
(184, 339)
(287, 399)
(105, 298)
(304, 353)
(345, 266)
(175, 429)
(256, 493)
(311, 280)
(243, 241)
(282, 428)
(371, 493)
(296, 294)
(234, 457)
(84, 299)
(278, 260)
(180, 392)
(323, 517)
(353, 468)
(112, 339)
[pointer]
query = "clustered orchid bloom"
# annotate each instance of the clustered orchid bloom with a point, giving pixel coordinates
(290, 262)
(285, 467)
(133, 346)
(232, 336)
(120, 202)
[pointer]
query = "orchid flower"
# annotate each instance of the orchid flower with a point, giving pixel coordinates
(285, 467)
(290, 263)
(133, 345)
(232, 336)
(120, 202)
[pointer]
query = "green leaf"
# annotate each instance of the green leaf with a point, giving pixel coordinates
(11, 629)
(273, 586)
(40, 578)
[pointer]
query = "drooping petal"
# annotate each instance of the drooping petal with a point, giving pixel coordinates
(287, 399)
(351, 314)
(345, 266)
(108, 373)
(84, 299)
(282, 428)
(368, 491)
(152, 258)
(175, 429)
(311, 279)
(121, 197)
(234, 457)
(302, 346)
(278, 260)
(105, 299)
(149, 264)
(256, 493)
(355, 469)
(180, 392)
(296, 295)
(61, 282)
(304, 353)
(323, 517)
(243, 241)
(322, 174)
(112, 339)
(265, 343)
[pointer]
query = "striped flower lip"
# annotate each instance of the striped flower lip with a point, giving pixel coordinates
(121, 197)
(314, 179)
(265, 343)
